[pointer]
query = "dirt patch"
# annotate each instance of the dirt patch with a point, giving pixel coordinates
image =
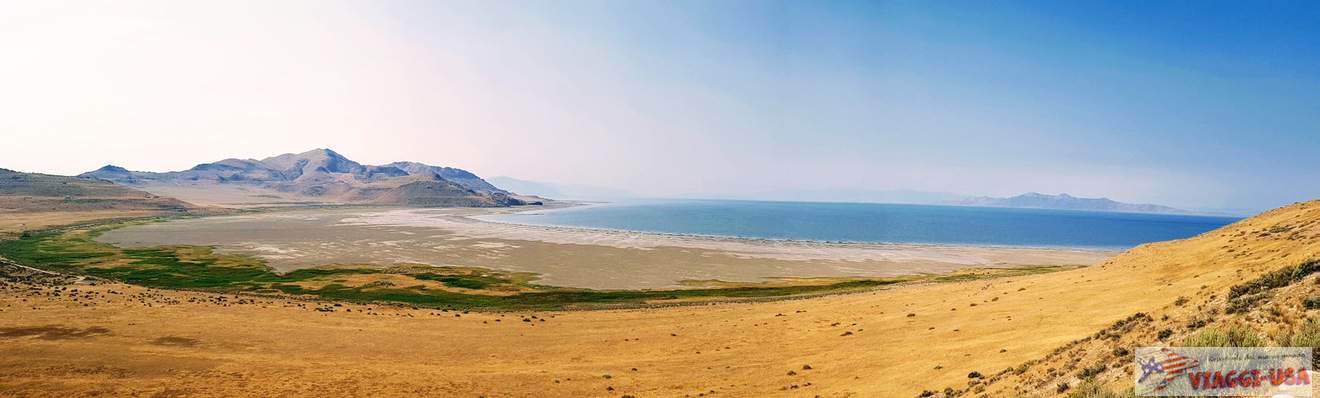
(175, 341)
(52, 332)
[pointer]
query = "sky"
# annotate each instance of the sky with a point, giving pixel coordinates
(1195, 104)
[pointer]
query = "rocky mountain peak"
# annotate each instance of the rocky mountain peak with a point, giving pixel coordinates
(110, 168)
(325, 175)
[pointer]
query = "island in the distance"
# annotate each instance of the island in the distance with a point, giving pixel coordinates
(1063, 201)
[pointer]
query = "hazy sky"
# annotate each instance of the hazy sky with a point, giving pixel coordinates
(1188, 103)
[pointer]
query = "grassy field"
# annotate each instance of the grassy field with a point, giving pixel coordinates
(201, 268)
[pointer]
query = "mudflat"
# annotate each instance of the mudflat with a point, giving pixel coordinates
(559, 256)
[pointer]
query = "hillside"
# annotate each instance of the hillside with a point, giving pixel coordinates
(1273, 299)
(1016, 336)
(316, 176)
(1063, 201)
(32, 201)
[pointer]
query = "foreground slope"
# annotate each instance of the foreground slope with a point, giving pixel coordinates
(1274, 300)
(61, 339)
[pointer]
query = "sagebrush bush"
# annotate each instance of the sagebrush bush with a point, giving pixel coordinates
(1093, 389)
(1233, 336)
(1280, 278)
(1306, 335)
(1311, 303)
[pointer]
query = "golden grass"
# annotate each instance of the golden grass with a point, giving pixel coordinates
(13, 223)
(894, 342)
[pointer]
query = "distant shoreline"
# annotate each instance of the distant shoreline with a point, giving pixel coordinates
(565, 256)
(1236, 215)
(488, 218)
(483, 221)
(1078, 242)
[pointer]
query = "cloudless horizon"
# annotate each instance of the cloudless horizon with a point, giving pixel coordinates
(1198, 105)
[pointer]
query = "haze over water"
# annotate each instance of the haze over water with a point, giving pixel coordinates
(881, 223)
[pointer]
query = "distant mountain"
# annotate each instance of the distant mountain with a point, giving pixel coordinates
(31, 192)
(854, 195)
(318, 176)
(1064, 201)
(528, 187)
(460, 176)
(560, 191)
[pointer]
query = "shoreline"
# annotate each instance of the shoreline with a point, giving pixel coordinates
(564, 256)
(751, 239)
(473, 223)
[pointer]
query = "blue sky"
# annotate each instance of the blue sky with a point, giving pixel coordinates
(1191, 104)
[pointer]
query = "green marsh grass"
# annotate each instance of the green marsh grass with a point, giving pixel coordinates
(200, 268)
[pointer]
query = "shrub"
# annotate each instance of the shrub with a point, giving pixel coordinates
(1020, 369)
(1306, 335)
(1092, 371)
(1311, 303)
(1233, 336)
(1093, 389)
(1247, 302)
(1282, 277)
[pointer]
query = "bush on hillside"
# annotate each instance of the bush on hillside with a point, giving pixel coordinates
(1311, 303)
(1093, 389)
(1276, 279)
(1233, 336)
(1306, 335)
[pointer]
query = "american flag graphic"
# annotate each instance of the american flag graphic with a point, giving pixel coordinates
(1174, 365)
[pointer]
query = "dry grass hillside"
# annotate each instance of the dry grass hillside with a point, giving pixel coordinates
(30, 201)
(1271, 299)
(61, 336)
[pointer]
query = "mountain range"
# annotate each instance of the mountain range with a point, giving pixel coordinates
(1031, 200)
(1065, 201)
(315, 176)
(323, 176)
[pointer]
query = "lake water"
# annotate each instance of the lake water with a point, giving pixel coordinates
(880, 223)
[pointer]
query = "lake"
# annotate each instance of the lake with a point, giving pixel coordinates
(880, 223)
